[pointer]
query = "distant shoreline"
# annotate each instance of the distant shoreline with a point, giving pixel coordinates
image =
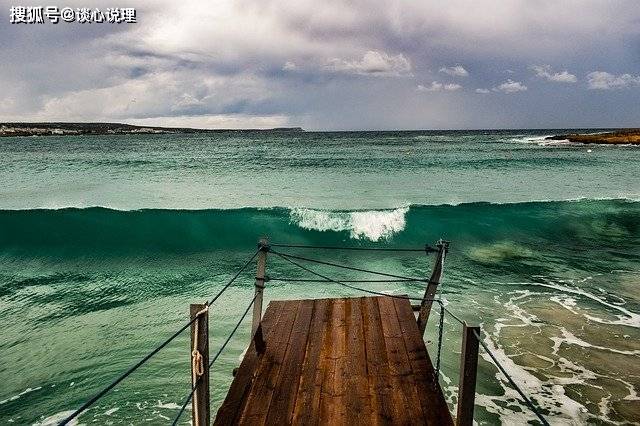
(622, 137)
(77, 129)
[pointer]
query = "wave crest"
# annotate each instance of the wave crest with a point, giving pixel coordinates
(373, 225)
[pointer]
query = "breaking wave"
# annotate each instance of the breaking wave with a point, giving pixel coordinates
(367, 225)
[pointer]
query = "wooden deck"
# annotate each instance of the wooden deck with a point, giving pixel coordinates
(337, 361)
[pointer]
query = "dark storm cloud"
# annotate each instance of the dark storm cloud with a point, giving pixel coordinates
(332, 65)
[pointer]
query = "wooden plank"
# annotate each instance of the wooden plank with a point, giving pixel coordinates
(434, 406)
(261, 266)
(405, 394)
(307, 406)
(284, 395)
(201, 410)
(257, 404)
(332, 410)
(432, 286)
(357, 400)
(338, 361)
(380, 389)
(242, 383)
(468, 372)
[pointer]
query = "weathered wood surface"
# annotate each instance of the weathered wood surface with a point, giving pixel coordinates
(337, 361)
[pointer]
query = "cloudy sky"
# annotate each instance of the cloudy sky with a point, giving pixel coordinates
(394, 64)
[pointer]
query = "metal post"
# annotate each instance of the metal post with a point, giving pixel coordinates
(468, 373)
(200, 413)
(256, 328)
(432, 286)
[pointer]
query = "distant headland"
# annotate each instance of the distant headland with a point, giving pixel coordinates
(621, 137)
(64, 129)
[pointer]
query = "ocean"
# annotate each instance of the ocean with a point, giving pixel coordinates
(105, 240)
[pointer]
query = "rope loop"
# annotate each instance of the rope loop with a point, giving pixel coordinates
(196, 362)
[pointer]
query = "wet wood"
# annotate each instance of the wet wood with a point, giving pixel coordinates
(345, 361)
(200, 409)
(468, 373)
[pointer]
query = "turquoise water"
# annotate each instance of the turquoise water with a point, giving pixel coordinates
(104, 242)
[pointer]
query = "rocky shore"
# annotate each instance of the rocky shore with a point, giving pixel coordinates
(622, 137)
(62, 129)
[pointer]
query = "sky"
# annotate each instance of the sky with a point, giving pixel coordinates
(330, 65)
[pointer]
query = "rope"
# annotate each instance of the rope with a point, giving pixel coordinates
(286, 257)
(454, 316)
(440, 332)
(515, 386)
(351, 268)
(234, 278)
(426, 248)
(126, 374)
(302, 280)
(195, 384)
(196, 358)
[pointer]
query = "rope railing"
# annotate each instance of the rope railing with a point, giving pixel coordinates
(147, 357)
(319, 278)
(351, 268)
(306, 280)
(215, 357)
(427, 248)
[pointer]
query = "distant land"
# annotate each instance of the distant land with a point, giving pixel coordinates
(621, 137)
(63, 129)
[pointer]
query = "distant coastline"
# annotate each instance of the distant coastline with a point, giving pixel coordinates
(66, 129)
(621, 137)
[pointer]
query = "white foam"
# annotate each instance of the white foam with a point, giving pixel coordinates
(373, 225)
(570, 339)
(168, 405)
(628, 318)
(57, 418)
(111, 411)
(565, 409)
(24, 392)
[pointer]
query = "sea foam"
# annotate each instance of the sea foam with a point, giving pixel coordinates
(373, 225)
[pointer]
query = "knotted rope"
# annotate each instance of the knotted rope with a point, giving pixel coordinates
(197, 362)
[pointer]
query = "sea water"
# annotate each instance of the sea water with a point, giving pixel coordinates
(105, 240)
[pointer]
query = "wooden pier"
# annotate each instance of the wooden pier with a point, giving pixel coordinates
(337, 361)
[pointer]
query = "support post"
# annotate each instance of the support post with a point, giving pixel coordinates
(432, 286)
(468, 373)
(200, 413)
(256, 327)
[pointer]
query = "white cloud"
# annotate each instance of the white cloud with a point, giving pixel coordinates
(483, 91)
(43, 77)
(510, 86)
(601, 80)
(289, 66)
(215, 121)
(438, 87)
(433, 87)
(452, 87)
(372, 63)
(546, 72)
(456, 71)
